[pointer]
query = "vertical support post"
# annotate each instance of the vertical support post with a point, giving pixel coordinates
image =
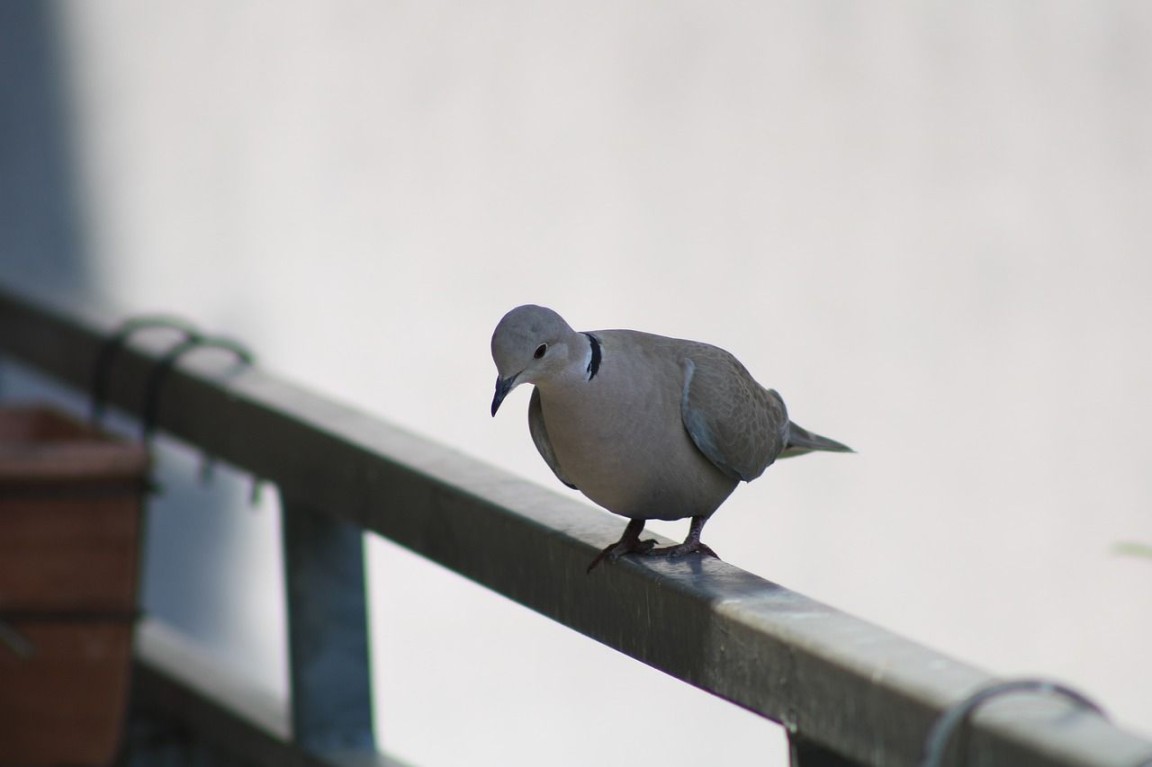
(805, 753)
(329, 674)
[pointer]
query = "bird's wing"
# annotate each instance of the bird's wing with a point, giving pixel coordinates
(540, 437)
(740, 426)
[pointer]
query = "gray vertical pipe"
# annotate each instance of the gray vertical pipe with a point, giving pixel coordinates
(327, 631)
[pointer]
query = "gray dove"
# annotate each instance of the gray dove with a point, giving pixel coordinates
(646, 426)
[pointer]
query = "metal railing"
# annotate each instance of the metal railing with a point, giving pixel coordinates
(847, 691)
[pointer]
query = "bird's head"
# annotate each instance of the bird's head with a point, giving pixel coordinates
(530, 344)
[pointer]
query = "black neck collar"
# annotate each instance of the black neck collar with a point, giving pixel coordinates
(594, 362)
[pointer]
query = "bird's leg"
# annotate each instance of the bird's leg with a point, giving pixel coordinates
(691, 544)
(629, 543)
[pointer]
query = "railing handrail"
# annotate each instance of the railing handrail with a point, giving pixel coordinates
(834, 680)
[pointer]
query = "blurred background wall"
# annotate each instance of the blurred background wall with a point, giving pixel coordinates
(928, 225)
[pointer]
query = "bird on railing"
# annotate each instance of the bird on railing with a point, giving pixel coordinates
(646, 426)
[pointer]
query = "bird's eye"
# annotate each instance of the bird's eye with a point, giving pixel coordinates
(540, 351)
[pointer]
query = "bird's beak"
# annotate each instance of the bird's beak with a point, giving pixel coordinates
(503, 386)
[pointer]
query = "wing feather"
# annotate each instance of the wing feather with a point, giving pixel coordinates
(540, 436)
(740, 426)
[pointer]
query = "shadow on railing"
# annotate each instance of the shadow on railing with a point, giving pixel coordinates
(848, 692)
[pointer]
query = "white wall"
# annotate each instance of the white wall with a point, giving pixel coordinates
(928, 227)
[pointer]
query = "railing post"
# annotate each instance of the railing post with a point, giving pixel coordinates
(805, 753)
(327, 631)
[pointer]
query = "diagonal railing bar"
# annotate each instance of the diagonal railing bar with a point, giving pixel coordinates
(178, 680)
(841, 685)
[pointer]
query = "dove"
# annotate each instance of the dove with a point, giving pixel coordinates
(646, 426)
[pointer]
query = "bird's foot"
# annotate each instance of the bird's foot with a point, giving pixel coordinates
(683, 549)
(620, 548)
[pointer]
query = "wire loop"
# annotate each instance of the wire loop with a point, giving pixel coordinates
(952, 721)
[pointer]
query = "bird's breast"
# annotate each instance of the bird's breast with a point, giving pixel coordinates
(623, 444)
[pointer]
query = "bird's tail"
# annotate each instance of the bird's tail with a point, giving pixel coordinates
(801, 441)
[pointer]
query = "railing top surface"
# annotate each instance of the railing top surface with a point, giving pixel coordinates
(838, 681)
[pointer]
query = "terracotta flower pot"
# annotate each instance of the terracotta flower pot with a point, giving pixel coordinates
(70, 503)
